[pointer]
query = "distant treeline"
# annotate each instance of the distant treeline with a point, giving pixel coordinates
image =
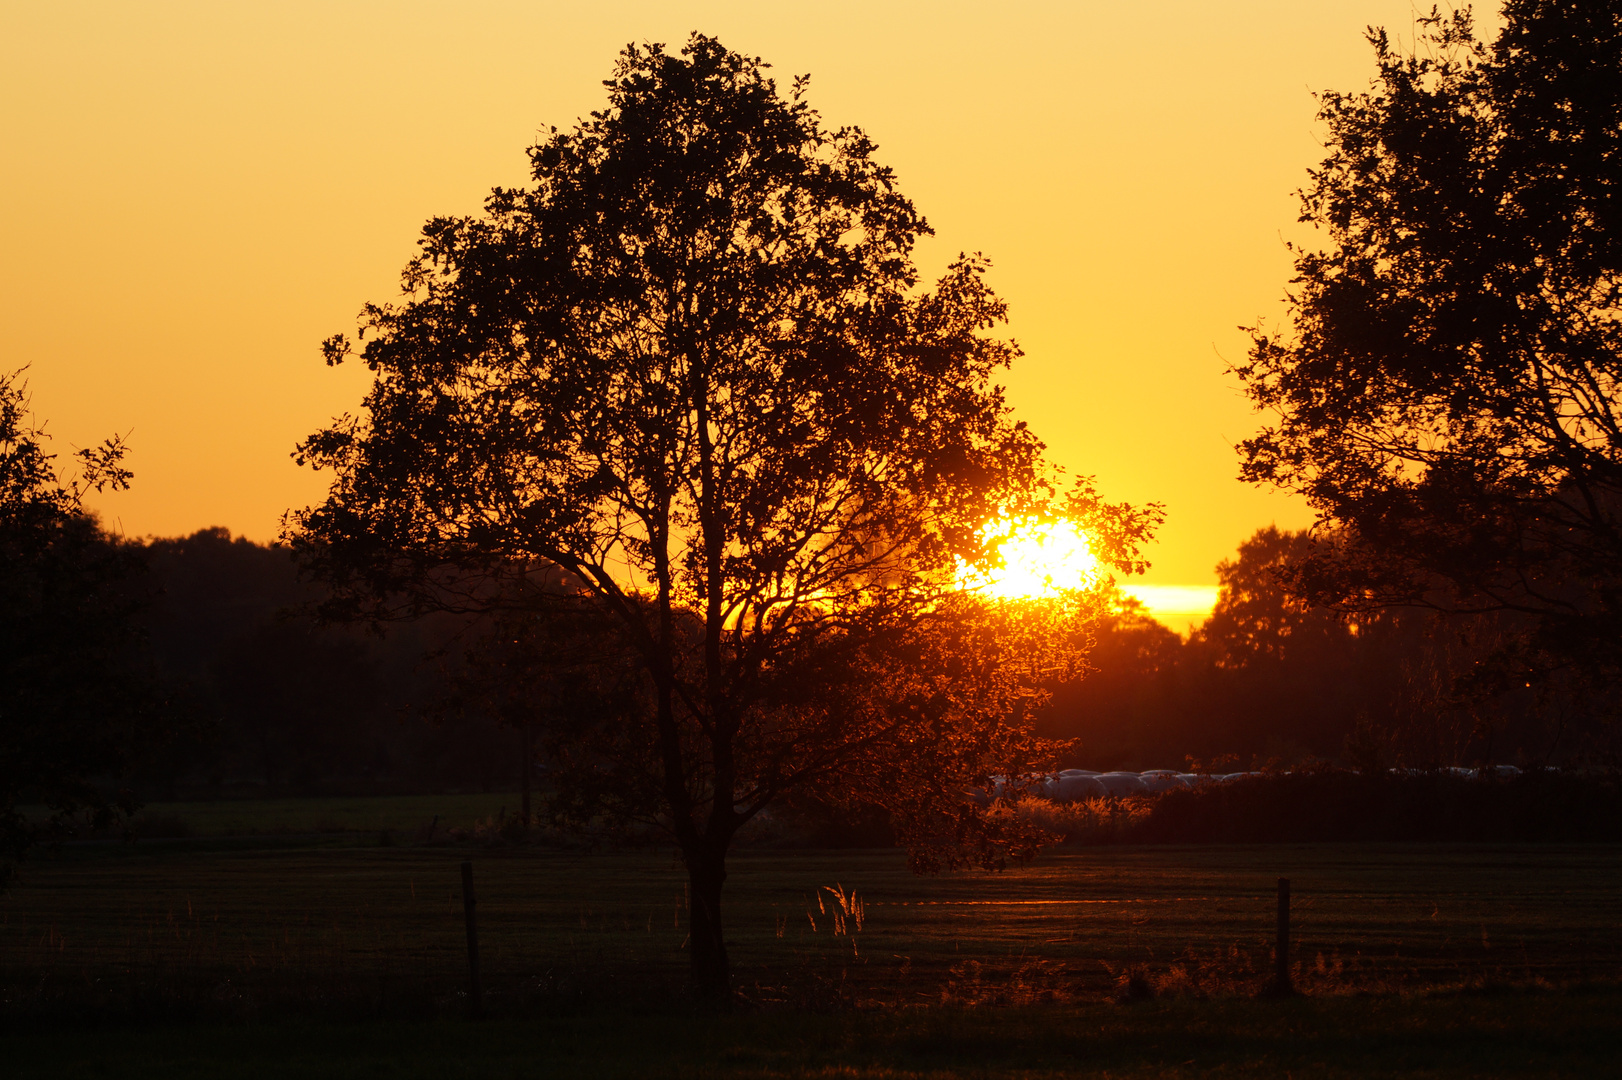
(272, 703)
(1265, 680)
(269, 702)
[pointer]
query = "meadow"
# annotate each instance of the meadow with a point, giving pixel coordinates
(1535, 1035)
(269, 944)
(408, 815)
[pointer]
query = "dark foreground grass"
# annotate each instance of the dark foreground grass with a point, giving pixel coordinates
(339, 955)
(176, 930)
(1538, 1033)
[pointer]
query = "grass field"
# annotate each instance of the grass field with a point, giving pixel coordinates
(407, 815)
(1527, 1035)
(330, 939)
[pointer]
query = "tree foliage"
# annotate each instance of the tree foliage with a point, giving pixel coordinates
(1271, 679)
(1446, 395)
(1255, 618)
(691, 368)
(78, 705)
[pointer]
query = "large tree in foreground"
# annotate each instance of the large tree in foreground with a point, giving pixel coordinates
(690, 368)
(1447, 396)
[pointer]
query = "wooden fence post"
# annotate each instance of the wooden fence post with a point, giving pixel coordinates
(475, 1005)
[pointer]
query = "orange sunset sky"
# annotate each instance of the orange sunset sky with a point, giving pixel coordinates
(195, 194)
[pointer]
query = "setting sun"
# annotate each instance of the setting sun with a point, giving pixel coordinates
(1039, 558)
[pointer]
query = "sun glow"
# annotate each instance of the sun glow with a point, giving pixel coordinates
(1038, 558)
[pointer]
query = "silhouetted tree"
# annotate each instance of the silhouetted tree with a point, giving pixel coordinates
(1270, 678)
(1447, 393)
(305, 705)
(552, 668)
(1255, 619)
(77, 705)
(1295, 679)
(690, 367)
(292, 706)
(1132, 709)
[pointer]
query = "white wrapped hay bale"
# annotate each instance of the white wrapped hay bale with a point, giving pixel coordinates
(1076, 786)
(1123, 783)
(1159, 780)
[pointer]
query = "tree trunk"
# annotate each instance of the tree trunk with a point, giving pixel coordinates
(711, 972)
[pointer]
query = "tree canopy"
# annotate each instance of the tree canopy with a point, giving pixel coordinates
(1446, 394)
(78, 704)
(691, 368)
